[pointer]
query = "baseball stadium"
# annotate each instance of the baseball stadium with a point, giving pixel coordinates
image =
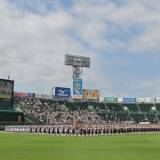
(78, 125)
(79, 80)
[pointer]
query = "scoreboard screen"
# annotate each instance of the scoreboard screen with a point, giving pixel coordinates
(6, 89)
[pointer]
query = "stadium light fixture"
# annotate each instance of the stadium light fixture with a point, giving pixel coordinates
(77, 63)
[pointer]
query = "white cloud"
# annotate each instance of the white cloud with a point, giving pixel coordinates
(140, 19)
(32, 48)
(33, 41)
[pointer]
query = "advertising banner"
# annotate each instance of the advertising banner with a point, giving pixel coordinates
(91, 94)
(110, 99)
(157, 100)
(149, 100)
(129, 100)
(146, 100)
(31, 94)
(62, 92)
(20, 94)
(6, 89)
(77, 89)
(101, 99)
(43, 96)
(120, 100)
(38, 95)
(139, 100)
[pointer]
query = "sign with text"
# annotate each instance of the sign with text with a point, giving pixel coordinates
(91, 94)
(77, 89)
(62, 92)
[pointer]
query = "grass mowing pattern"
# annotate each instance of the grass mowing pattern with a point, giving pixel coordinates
(41, 147)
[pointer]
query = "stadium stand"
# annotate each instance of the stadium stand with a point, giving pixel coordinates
(131, 107)
(55, 112)
(50, 111)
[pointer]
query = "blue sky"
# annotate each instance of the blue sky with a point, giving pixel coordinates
(122, 38)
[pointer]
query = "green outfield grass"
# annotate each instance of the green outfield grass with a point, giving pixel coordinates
(46, 147)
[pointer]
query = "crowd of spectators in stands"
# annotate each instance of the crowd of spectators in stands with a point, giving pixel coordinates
(47, 111)
(53, 112)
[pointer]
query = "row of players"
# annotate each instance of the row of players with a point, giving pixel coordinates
(90, 130)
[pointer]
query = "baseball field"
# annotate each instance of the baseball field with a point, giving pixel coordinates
(47, 147)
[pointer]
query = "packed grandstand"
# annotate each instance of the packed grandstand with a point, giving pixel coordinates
(49, 110)
(61, 113)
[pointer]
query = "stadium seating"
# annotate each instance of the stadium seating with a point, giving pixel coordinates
(157, 107)
(67, 112)
(138, 117)
(145, 107)
(131, 107)
(116, 107)
(152, 118)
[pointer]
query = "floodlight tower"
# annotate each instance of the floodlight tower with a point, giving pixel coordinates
(77, 63)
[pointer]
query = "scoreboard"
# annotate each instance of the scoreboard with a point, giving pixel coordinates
(6, 89)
